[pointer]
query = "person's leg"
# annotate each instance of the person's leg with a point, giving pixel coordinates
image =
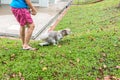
(22, 34)
(28, 34)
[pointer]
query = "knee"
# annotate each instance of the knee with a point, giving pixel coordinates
(31, 26)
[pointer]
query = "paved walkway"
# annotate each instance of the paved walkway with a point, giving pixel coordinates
(44, 18)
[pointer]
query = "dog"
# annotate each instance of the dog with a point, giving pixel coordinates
(53, 37)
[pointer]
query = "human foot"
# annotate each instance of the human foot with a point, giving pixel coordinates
(28, 48)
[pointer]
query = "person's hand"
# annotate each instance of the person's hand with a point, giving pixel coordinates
(34, 12)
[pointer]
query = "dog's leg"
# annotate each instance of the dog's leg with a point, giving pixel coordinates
(44, 44)
(51, 40)
(57, 42)
(54, 42)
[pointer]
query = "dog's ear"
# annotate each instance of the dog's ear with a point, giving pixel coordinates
(68, 31)
(65, 32)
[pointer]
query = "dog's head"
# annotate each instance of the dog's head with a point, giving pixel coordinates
(65, 32)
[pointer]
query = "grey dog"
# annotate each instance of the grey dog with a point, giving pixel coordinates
(53, 37)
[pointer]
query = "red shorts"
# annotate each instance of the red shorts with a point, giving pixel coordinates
(22, 15)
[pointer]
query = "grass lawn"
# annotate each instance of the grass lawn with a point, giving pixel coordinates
(84, 1)
(91, 52)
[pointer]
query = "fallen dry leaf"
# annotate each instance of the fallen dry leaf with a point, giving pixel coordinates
(91, 38)
(78, 60)
(44, 68)
(20, 74)
(118, 67)
(101, 71)
(103, 54)
(13, 75)
(6, 49)
(59, 46)
(101, 60)
(41, 61)
(97, 79)
(12, 57)
(4, 62)
(109, 77)
(115, 45)
(104, 66)
(22, 78)
(40, 78)
(72, 63)
(101, 29)
(55, 74)
(89, 74)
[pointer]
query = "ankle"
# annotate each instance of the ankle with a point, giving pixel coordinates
(25, 45)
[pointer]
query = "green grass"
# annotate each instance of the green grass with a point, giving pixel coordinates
(83, 1)
(91, 51)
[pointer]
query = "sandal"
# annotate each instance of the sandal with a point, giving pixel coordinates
(29, 48)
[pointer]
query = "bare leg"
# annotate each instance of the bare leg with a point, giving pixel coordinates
(28, 34)
(22, 34)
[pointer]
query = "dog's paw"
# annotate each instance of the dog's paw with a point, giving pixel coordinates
(40, 44)
(44, 44)
(55, 44)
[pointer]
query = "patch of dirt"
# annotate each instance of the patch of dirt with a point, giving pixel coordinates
(97, 1)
